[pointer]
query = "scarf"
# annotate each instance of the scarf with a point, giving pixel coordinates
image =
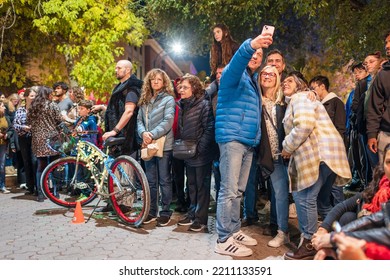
(381, 196)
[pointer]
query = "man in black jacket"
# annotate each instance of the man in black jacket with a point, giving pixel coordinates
(121, 113)
(378, 113)
(336, 111)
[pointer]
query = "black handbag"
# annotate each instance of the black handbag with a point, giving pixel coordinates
(184, 149)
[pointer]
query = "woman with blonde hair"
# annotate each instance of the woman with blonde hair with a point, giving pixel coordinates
(12, 105)
(155, 120)
(270, 158)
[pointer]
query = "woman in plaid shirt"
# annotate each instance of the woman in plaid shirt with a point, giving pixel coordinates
(317, 159)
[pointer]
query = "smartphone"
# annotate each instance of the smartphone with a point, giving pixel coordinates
(268, 29)
(336, 226)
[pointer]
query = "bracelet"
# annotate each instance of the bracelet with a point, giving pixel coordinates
(117, 131)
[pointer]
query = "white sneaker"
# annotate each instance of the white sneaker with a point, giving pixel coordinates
(266, 209)
(232, 248)
(4, 190)
(292, 211)
(244, 239)
(280, 239)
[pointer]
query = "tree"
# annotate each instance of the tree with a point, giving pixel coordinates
(83, 37)
(341, 29)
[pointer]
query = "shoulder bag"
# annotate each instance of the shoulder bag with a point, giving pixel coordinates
(156, 148)
(184, 149)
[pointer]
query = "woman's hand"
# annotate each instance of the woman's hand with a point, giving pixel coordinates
(147, 137)
(285, 154)
(312, 95)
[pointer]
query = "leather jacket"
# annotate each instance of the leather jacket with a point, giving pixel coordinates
(372, 228)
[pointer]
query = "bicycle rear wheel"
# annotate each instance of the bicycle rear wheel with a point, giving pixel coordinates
(66, 181)
(131, 201)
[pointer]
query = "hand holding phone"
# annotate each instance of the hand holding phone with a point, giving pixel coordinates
(268, 29)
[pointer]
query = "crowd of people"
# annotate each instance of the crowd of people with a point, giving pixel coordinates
(253, 125)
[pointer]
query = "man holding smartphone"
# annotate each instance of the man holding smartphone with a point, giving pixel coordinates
(237, 134)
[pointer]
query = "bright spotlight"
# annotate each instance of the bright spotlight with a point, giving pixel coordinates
(177, 48)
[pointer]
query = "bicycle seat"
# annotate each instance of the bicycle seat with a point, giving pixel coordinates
(114, 141)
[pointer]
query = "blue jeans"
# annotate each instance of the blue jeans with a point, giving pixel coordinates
(3, 150)
(158, 173)
(235, 164)
(312, 198)
(337, 195)
(279, 195)
(217, 178)
(250, 195)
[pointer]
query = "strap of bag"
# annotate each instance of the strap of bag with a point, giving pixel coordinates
(270, 118)
(146, 117)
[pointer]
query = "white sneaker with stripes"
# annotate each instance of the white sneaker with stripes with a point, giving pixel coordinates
(244, 239)
(232, 248)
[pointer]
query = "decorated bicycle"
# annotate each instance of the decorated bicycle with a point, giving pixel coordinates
(86, 172)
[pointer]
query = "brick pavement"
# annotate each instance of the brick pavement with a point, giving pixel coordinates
(43, 231)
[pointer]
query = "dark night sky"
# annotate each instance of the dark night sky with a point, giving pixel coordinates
(201, 63)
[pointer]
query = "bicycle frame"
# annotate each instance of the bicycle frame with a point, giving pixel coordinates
(90, 172)
(91, 154)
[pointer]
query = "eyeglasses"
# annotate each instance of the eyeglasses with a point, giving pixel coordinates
(265, 74)
(183, 88)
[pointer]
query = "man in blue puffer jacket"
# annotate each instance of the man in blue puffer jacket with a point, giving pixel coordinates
(237, 130)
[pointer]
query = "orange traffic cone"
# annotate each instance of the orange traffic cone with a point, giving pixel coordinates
(78, 217)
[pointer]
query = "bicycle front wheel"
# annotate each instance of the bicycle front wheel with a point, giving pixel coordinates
(129, 191)
(66, 181)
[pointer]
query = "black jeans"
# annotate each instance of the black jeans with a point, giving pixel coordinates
(178, 182)
(42, 163)
(29, 162)
(199, 181)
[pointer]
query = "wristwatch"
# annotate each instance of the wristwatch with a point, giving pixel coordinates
(117, 131)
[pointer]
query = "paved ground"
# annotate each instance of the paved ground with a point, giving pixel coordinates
(43, 231)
